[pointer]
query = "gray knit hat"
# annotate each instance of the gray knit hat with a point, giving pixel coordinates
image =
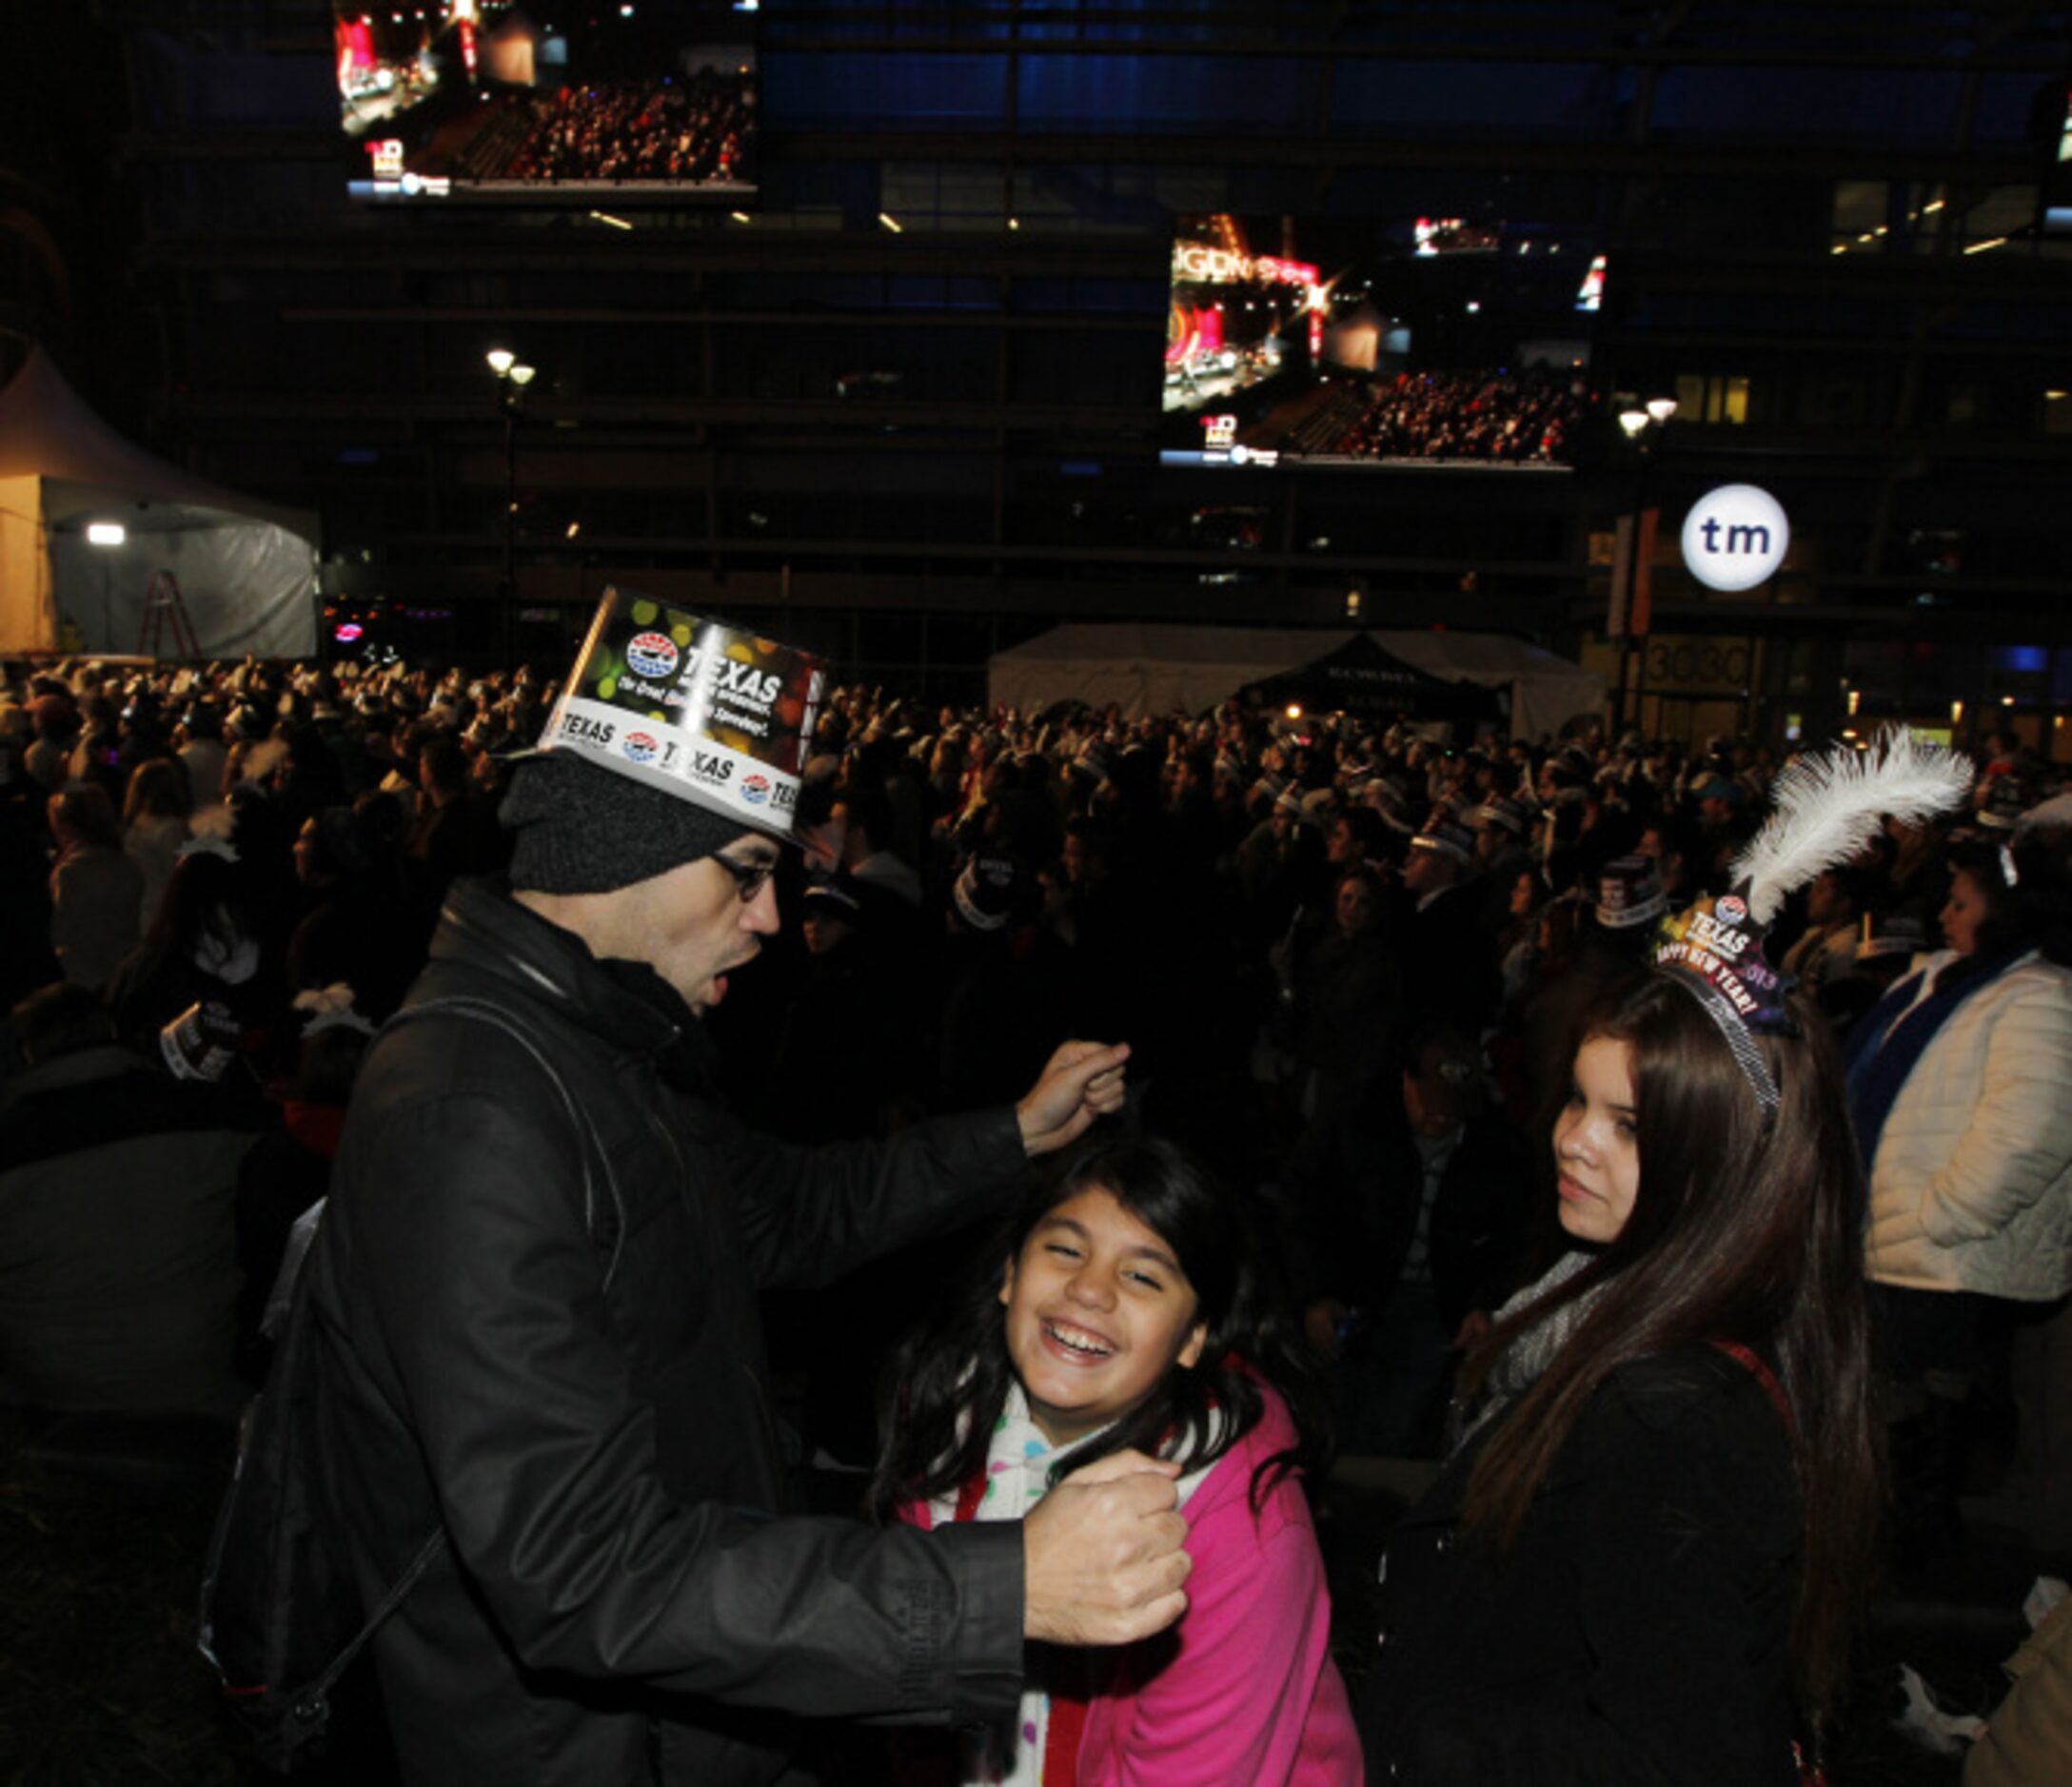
(578, 828)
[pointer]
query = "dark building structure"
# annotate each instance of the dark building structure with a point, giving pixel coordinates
(906, 393)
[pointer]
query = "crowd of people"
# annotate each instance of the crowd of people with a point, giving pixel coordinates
(1508, 417)
(1406, 993)
(696, 128)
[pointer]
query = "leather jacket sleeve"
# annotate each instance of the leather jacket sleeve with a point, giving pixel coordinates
(487, 1330)
(804, 1216)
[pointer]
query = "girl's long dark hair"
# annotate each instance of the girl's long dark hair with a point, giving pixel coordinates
(947, 1383)
(1743, 1231)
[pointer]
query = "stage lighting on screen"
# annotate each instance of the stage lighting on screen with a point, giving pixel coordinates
(472, 99)
(1330, 341)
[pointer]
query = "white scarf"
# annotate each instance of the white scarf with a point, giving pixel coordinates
(1531, 1353)
(1018, 1465)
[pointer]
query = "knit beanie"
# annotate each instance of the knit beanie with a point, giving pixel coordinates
(578, 828)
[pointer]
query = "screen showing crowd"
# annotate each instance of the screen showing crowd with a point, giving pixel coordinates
(1337, 340)
(474, 98)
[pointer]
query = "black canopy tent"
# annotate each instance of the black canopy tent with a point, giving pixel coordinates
(1362, 677)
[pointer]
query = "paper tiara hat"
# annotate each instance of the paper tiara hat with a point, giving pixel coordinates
(694, 707)
(1826, 809)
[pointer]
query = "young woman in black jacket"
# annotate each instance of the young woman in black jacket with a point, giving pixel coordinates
(1643, 1561)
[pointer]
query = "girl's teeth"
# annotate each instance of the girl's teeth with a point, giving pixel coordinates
(1079, 1344)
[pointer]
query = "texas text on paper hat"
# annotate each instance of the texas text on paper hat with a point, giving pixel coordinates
(694, 707)
(1714, 943)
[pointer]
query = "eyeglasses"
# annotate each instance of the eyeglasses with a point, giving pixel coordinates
(750, 878)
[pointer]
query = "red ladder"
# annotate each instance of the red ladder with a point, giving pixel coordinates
(164, 606)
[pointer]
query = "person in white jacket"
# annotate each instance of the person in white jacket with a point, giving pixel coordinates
(1958, 1085)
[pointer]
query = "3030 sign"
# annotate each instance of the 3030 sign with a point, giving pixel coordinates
(1696, 663)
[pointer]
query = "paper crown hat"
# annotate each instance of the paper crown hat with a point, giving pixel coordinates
(693, 707)
(1826, 809)
(1630, 892)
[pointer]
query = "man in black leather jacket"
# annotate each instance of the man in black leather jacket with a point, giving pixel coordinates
(539, 1333)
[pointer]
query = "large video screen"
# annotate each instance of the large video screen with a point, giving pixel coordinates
(449, 99)
(1424, 341)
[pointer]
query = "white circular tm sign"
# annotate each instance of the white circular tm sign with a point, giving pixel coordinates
(1735, 538)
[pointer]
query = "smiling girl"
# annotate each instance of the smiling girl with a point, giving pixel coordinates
(1122, 1308)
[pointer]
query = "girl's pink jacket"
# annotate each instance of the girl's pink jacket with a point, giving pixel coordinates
(1243, 1690)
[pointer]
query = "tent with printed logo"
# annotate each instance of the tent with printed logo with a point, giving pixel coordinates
(1363, 678)
(1148, 669)
(196, 562)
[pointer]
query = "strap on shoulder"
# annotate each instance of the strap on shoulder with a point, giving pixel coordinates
(591, 1145)
(1751, 1362)
(311, 1701)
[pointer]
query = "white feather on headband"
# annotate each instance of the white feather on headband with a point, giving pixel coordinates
(1828, 807)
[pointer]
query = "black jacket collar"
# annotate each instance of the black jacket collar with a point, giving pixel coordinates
(485, 931)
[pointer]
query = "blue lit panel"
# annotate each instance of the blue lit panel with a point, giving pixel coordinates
(1153, 94)
(893, 93)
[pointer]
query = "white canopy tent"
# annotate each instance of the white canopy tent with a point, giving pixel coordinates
(246, 571)
(1546, 691)
(1146, 669)
(1152, 669)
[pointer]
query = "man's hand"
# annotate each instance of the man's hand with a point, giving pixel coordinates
(1082, 1081)
(1102, 1563)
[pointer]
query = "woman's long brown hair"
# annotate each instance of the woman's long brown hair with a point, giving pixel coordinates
(1743, 1231)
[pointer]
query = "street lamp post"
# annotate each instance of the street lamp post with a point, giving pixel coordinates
(512, 376)
(1643, 426)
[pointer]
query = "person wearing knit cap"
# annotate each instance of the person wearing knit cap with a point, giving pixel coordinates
(534, 1291)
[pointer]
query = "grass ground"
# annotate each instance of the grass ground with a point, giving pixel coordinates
(100, 1682)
